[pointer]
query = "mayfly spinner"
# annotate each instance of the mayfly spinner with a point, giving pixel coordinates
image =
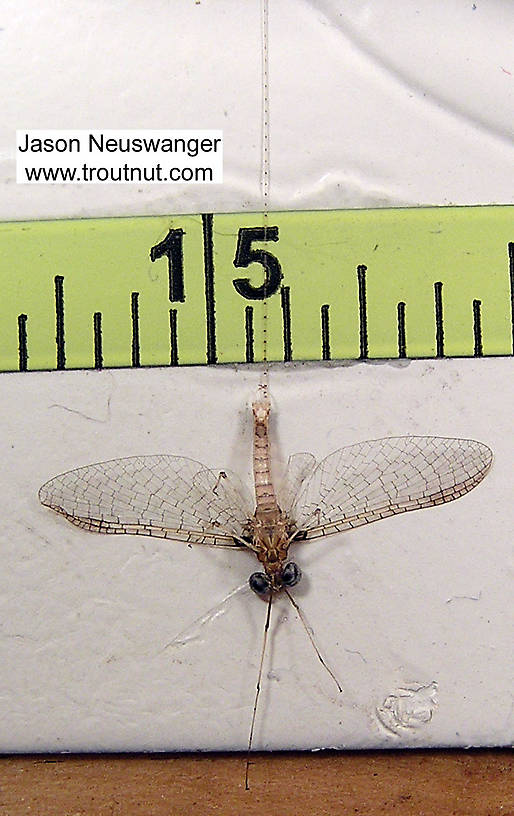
(177, 498)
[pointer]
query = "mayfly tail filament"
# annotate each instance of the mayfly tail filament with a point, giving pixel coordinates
(258, 689)
(313, 642)
(265, 178)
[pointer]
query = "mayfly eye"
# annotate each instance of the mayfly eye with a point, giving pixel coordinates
(260, 583)
(291, 574)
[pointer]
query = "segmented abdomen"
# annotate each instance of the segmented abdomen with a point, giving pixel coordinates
(266, 502)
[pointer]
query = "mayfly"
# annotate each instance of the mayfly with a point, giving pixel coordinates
(173, 497)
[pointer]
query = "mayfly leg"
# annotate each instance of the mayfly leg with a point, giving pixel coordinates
(308, 630)
(193, 630)
(258, 689)
(221, 475)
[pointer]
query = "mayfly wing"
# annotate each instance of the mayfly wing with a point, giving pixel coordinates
(163, 496)
(299, 467)
(372, 480)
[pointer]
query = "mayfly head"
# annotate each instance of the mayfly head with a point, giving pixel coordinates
(262, 583)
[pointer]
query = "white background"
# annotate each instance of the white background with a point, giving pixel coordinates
(421, 601)
(371, 104)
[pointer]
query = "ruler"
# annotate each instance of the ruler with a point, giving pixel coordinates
(189, 289)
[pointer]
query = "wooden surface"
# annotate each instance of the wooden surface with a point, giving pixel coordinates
(446, 783)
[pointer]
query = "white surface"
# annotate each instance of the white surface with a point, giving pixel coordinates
(371, 104)
(413, 613)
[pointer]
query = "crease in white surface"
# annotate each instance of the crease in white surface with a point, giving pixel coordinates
(348, 24)
(354, 121)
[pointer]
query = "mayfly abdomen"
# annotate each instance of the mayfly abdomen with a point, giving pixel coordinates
(266, 502)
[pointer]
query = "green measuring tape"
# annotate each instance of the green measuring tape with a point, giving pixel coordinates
(189, 289)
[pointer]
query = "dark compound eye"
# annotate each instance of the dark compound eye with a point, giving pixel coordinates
(291, 574)
(260, 583)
